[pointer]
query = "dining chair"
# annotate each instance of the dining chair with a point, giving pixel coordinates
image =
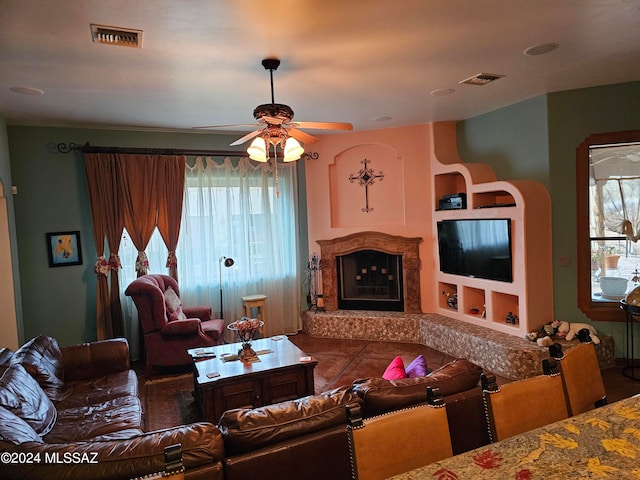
(525, 404)
(581, 376)
(398, 441)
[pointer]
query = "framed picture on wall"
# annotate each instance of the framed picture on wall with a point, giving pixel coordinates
(63, 249)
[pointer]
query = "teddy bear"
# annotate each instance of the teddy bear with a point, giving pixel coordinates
(543, 335)
(570, 330)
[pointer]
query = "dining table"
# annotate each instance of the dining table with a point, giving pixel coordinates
(601, 443)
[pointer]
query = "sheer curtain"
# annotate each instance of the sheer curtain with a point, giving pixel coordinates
(621, 206)
(614, 174)
(240, 210)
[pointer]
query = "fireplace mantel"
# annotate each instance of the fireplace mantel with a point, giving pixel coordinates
(407, 247)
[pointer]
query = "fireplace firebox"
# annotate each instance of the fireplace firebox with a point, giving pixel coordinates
(370, 280)
(403, 256)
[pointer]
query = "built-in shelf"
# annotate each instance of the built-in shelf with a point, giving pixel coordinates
(447, 184)
(448, 296)
(495, 199)
(503, 306)
(516, 307)
(473, 302)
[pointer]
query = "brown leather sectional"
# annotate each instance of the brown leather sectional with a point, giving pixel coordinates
(98, 416)
(307, 438)
(74, 413)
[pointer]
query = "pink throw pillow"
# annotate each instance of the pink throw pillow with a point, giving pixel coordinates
(395, 370)
(417, 368)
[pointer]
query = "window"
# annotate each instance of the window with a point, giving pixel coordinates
(240, 210)
(608, 189)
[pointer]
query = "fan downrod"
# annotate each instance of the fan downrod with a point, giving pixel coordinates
(270, 64)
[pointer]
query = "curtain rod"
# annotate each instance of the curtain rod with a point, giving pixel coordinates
(86, 148)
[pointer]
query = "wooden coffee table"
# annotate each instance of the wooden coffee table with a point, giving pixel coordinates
(284, 372)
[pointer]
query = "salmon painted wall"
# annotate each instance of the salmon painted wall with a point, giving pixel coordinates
(399, 203)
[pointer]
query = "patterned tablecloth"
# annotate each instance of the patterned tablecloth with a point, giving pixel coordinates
(601, 443)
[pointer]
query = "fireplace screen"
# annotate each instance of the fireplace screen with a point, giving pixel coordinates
(370, 280)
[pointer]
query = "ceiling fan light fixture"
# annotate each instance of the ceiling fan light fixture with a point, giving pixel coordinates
(274, 127)
(292, 150)
(258, 150)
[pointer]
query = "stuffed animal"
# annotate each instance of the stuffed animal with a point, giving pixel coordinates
(570, 330)
(545, 341)
(543, 335)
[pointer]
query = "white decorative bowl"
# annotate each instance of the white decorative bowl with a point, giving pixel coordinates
(613, 286)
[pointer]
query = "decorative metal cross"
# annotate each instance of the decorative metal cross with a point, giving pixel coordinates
(365, 178)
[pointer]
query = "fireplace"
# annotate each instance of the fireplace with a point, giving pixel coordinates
(370, 280)
(345, 258)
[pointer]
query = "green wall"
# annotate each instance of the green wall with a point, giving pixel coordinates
(573, 116)
(52, 196)
(513, 140)
(537, 139)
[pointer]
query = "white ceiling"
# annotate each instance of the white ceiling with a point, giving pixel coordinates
(342, 60)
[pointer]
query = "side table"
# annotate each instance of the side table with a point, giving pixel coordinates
(631, 311)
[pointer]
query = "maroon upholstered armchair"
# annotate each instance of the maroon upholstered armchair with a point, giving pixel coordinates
(170, 329)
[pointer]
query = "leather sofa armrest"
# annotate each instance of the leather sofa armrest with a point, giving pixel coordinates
(246, 429)
(141, 455)
(95, 359)
(203, 313)
(181, 328)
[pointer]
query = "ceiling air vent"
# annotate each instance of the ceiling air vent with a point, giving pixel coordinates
(123, 37)
(482, 79)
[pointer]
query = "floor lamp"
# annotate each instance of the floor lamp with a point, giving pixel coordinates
(227, 263)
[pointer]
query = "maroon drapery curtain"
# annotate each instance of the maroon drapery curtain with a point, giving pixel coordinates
(107, 225)
(137, 192)
(170, 198)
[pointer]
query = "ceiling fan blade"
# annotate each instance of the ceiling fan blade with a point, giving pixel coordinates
(247, 137)
(229, 126)
(302, 136)
(325, 125)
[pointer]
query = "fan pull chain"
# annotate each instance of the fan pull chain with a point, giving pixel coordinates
(275, 161)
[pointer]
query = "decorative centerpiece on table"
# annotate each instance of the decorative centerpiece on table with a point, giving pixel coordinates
(246, 328)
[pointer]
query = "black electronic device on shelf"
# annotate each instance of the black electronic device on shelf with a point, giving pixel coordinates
(455, 201)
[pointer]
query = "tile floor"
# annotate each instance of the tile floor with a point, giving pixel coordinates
(340, 361)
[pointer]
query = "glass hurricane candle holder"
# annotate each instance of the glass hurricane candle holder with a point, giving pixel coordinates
(246, 329)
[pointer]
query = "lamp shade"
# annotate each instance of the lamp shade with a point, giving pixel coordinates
(292, 150)
(258, 150)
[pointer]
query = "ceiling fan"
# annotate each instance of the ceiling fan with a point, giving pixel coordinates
(277, 128)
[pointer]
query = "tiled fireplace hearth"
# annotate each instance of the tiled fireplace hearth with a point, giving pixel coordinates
(500, 353)
(406, 248)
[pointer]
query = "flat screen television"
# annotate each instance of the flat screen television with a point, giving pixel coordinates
(476, 248)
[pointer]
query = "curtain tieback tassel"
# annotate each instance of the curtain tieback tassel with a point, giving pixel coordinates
(102, 267)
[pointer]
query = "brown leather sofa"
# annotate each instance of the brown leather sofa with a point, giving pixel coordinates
(74, 412)
(97, 417)
(307, 437)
